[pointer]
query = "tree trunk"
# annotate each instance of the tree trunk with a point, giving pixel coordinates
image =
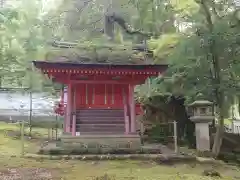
(219, 95)
(217, 141)
(216, 78)
(220, 129)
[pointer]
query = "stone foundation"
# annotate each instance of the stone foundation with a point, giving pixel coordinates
(101, 141)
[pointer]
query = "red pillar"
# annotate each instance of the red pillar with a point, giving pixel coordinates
(69, 108)
(62, 102)
(126, 118)
(65, 122)
(132, 109)
(74, 112)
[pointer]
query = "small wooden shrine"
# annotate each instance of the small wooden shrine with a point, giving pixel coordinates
(100, 93)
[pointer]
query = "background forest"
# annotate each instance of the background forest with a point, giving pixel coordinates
(199, 39)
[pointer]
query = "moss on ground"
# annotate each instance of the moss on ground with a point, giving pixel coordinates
(90, 170)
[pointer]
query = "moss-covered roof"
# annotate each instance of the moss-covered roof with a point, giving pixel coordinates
(90, 53)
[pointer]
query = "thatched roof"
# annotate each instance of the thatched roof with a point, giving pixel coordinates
(90, 53)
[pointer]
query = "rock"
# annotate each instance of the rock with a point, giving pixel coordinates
(203, 159)
(211, 173)
(105, 177)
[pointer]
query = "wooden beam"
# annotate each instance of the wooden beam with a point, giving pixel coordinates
(105, 82)
(126, 117)
(74, 111)
(132, 108)
(69, 108)
(146, 71)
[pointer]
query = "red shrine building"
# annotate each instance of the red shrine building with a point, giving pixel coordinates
(100, 96)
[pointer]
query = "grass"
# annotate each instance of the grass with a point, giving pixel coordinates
(227, 121)
(10, 143)
(80, 170)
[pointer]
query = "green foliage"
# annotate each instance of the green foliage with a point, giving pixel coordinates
(181, 38)
(164, 45)
(23, 39)
(190, 71)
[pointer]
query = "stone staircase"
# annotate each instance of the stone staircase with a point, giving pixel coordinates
(100, 121)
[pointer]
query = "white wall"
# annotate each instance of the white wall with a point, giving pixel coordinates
(19, 103)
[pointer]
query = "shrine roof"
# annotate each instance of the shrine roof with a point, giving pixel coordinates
(104, 55)
(73, 65)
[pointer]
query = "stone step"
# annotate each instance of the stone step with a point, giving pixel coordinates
(97, 121)
(100, 129)
(110, 126)
(100, 113)
(101, 125)
(93, 115)
(97, 118)
(100, 110)
(99, 133)
(101, 121)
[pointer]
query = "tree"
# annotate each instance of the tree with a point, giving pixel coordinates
(24, 38)
(218, 56)
(203, 61)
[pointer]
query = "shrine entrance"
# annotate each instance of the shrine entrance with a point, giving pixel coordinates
(100, 109)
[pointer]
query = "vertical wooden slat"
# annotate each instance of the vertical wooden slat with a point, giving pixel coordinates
(69, 108)
(90, 94)
(86, 88)
(74, 113)
(93, 95)
(126, 119)
(105, 94)
(112, 94)
(62, 102)
(109, 95)
(118, 95)
(99, 100)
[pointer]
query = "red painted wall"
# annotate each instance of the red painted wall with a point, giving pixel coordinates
(100, 95)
